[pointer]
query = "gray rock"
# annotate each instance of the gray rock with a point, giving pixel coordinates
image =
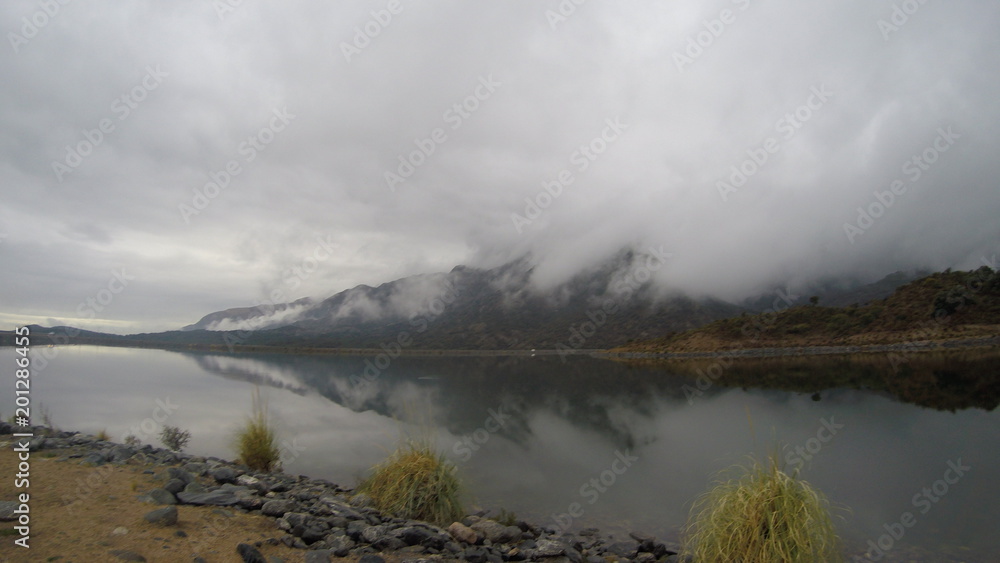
(412, 535)
(7, 508)
(279, 507)
(248, 481)
(224, 474)
(126, 555)
(549, 548)
(361, 500)
(166, 516)
(36, 443)
(195, 468)
(340, 545)
(174, 486)
(250, 554)
(93, 458)
(162, 496)
(318, 556)
(6, 428)
(371, 558)
(180, 474)
(476, 555)
(195, 487)
(627, 549)
(496, 532)
(120, 454)
(644, 557)
(373, 534)
(463, 533)
(214, 498)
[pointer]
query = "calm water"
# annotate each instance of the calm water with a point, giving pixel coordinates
(631, 445)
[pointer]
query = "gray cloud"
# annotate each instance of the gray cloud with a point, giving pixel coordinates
(183, 93)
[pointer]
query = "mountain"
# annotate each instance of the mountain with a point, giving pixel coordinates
(470, 308)
(498, 309)
(946, 306)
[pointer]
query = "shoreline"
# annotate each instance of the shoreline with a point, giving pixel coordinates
(802, 351)
(908, 347)
(203, 501)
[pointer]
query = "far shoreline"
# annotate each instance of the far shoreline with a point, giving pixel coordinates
(907, 347)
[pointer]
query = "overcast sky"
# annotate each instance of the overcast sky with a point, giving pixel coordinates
(646, 110)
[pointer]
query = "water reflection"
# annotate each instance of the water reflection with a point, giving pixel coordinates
(564, 425)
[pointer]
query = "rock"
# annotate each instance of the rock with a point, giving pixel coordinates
(195, 468)
(195, 487)
(476, 555)
(166, 516)
(247, 481)
(180, 474)
(361, 500)
(279, 507)
(496, 532)
(120, 454)
(93, 458)
(224, 474)
(162, 496)
(36, 443)
(370, 558)
(6, 428)
(340, 545)
(7, 508)
(372, 534)
(126, 555)
(549, 548)
(250, 554)
(174, 486)
(644, 557)
(625, 549)
(318, 556)
(120, 531)
(214, 498)
(412, 535)
(463, 533)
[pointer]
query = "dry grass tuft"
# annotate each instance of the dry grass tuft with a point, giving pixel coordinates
(416, 482)
(256, 442)
(764, 514)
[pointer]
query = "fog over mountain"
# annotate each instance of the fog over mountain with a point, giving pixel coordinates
(161, 161)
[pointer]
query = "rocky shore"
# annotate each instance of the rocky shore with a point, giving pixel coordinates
(324, 520)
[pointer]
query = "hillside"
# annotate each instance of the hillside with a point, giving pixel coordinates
(942, 306)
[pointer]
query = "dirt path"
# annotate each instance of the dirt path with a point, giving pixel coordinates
(104, 499)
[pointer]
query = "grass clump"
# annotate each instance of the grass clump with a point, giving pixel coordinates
(256, 442)
(418, 483)
(764, 514)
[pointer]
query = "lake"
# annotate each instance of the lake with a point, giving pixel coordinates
(628, 445)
